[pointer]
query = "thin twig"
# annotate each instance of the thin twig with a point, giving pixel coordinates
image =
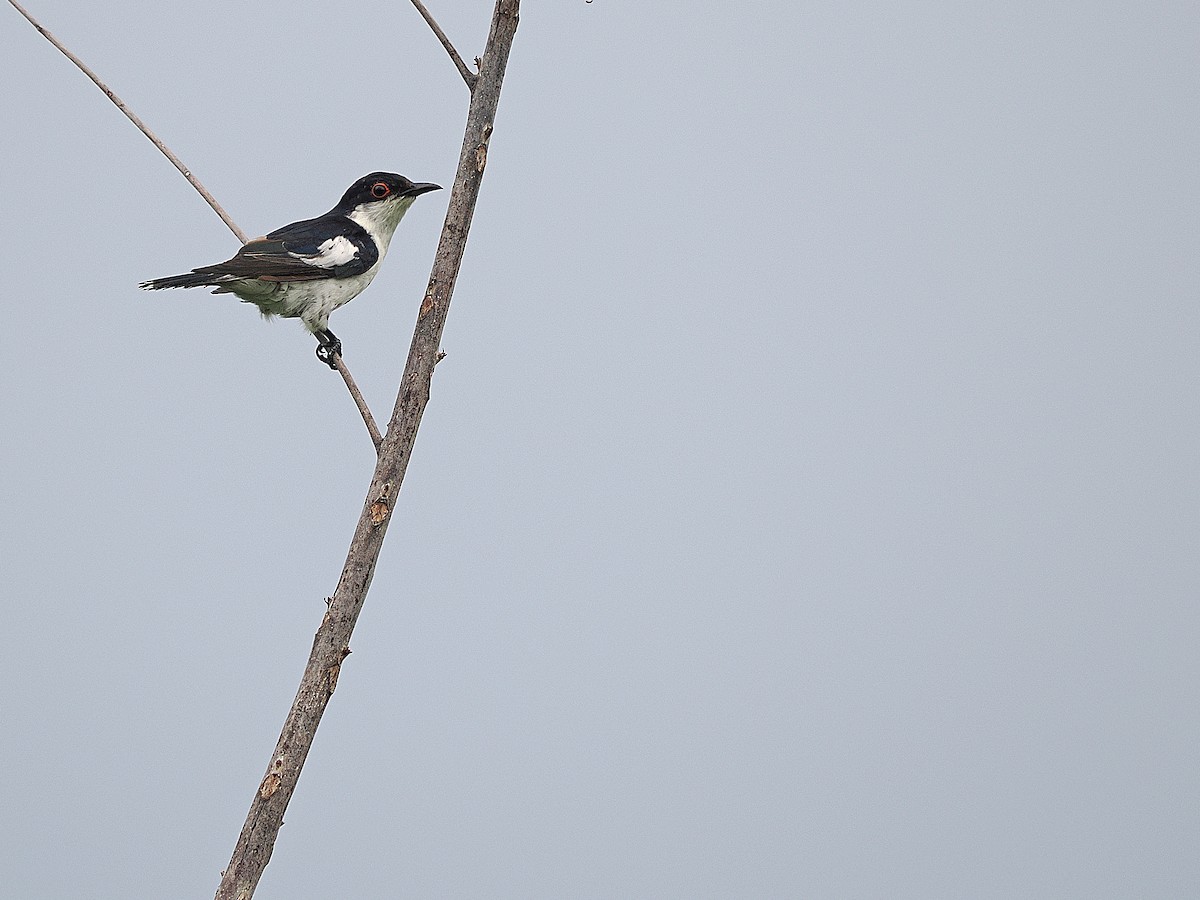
(363, 409)
(355, 394)
(142, 127)
(332, 640)
(468, 76)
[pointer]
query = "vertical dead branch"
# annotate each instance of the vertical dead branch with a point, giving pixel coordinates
(332, 641)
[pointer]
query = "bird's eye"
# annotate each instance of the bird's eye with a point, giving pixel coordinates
(379, 190)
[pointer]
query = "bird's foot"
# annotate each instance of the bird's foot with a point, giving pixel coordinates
(329, 353)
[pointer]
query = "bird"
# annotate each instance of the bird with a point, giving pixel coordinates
(308, 269)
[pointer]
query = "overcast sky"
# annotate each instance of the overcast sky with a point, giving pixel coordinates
(807, 505)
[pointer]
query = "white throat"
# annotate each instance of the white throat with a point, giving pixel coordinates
(380, 219)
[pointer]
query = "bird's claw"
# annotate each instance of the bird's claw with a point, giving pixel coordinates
(329, 353)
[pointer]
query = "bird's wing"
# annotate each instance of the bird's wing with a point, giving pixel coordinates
(303, 251)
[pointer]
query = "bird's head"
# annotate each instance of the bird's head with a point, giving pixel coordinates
(379, 201)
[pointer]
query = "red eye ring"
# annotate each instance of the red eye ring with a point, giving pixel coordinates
(379, 190)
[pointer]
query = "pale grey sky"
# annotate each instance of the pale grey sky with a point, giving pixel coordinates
(806, 507)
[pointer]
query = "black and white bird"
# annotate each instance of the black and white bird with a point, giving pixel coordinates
(308, 269)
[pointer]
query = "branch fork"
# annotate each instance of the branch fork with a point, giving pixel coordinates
(467, 75)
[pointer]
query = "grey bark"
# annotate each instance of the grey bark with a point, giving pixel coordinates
(332, 642)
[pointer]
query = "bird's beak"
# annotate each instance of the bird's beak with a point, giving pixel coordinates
(423, 188)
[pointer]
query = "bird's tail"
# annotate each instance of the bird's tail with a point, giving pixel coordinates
(191, 279)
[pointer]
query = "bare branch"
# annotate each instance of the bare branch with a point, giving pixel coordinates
(363, 409)
(468, 76)
(142, 127)
(355, 394)
(332, 640)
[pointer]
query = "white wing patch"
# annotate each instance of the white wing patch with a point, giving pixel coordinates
(337, 251)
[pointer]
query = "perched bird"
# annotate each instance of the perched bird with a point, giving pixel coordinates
(308, 269)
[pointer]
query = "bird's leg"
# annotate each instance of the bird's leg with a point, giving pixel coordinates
(328, 347)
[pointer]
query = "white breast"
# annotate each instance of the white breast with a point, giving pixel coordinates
(313, 301)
